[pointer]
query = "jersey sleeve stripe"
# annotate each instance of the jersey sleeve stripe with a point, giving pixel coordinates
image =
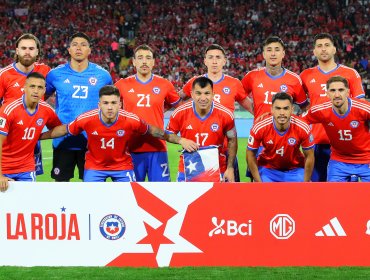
(181, 108)
(309, 147)
(322, 106)
(224, 109)
(176, 102)
(88, 114)
(12, 106)
(130, 116)
(261, 124)
(361, 106)
(169, 131)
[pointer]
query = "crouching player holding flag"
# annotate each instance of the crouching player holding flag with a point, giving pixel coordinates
(109, 129)
(207, 123)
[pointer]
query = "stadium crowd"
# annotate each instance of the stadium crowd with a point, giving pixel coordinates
(180, 30)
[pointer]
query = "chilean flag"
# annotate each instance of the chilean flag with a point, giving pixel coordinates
(202, 165)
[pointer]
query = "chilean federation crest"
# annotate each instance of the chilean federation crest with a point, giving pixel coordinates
(93, 81)
(283, 88)
(40, 121)
(292, 141)
(214, 127)
(354, 124)
(226, 90)
(156, 90)
(112, 227)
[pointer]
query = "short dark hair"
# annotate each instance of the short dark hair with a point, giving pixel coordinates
(323, 36)
(282, 96)
(35, 75)
(28, 36)
(202, 82)
(109, 90)
(145, 48)
(273, 39)
(80, 35)
(337, 79)
(215, 47)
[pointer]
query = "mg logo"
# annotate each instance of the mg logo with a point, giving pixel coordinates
(230, 228)
(282, 226)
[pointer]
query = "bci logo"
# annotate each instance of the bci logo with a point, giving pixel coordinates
(230, 227)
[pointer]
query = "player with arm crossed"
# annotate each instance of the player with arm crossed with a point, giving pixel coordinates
(21, 123)
(108, 130)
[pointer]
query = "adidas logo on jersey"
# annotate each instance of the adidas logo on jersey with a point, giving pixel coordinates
(20, 122)
(260, 85)
(131, 90)
(313, 81)
(95, 133)
(330, 124)
(334, 228)
(16, 85)
(189, 127)
(270, 142)
(66, 81)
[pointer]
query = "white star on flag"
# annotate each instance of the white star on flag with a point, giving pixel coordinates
(191, 166)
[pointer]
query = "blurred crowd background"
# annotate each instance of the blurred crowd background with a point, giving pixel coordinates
(179, 31)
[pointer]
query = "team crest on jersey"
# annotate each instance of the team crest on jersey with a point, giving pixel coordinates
(283, 88)
(310, 138)
(226, 90)
(354, 124)
(40, 121)
(93, 81)
(112, 227)
(156, 90)
(120, 132)
(2, 122)
(214, 127)
(292, 141)
(251, 140)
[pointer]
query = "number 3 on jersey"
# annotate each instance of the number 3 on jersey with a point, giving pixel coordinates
(144, 100)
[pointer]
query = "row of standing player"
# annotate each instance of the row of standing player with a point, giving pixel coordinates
(75, 82)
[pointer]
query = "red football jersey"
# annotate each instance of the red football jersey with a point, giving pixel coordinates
(23, 131)
(107, 145)
(147, 101)
(314, 82)
(12, 80)
(227, 90)
(281, 149)
(206, 131)
(349, 134)
(260, 85)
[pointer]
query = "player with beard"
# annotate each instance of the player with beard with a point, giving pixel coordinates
(281, 135)
(13, 77)
(314, 82)
(346, 122)
(145, 95)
